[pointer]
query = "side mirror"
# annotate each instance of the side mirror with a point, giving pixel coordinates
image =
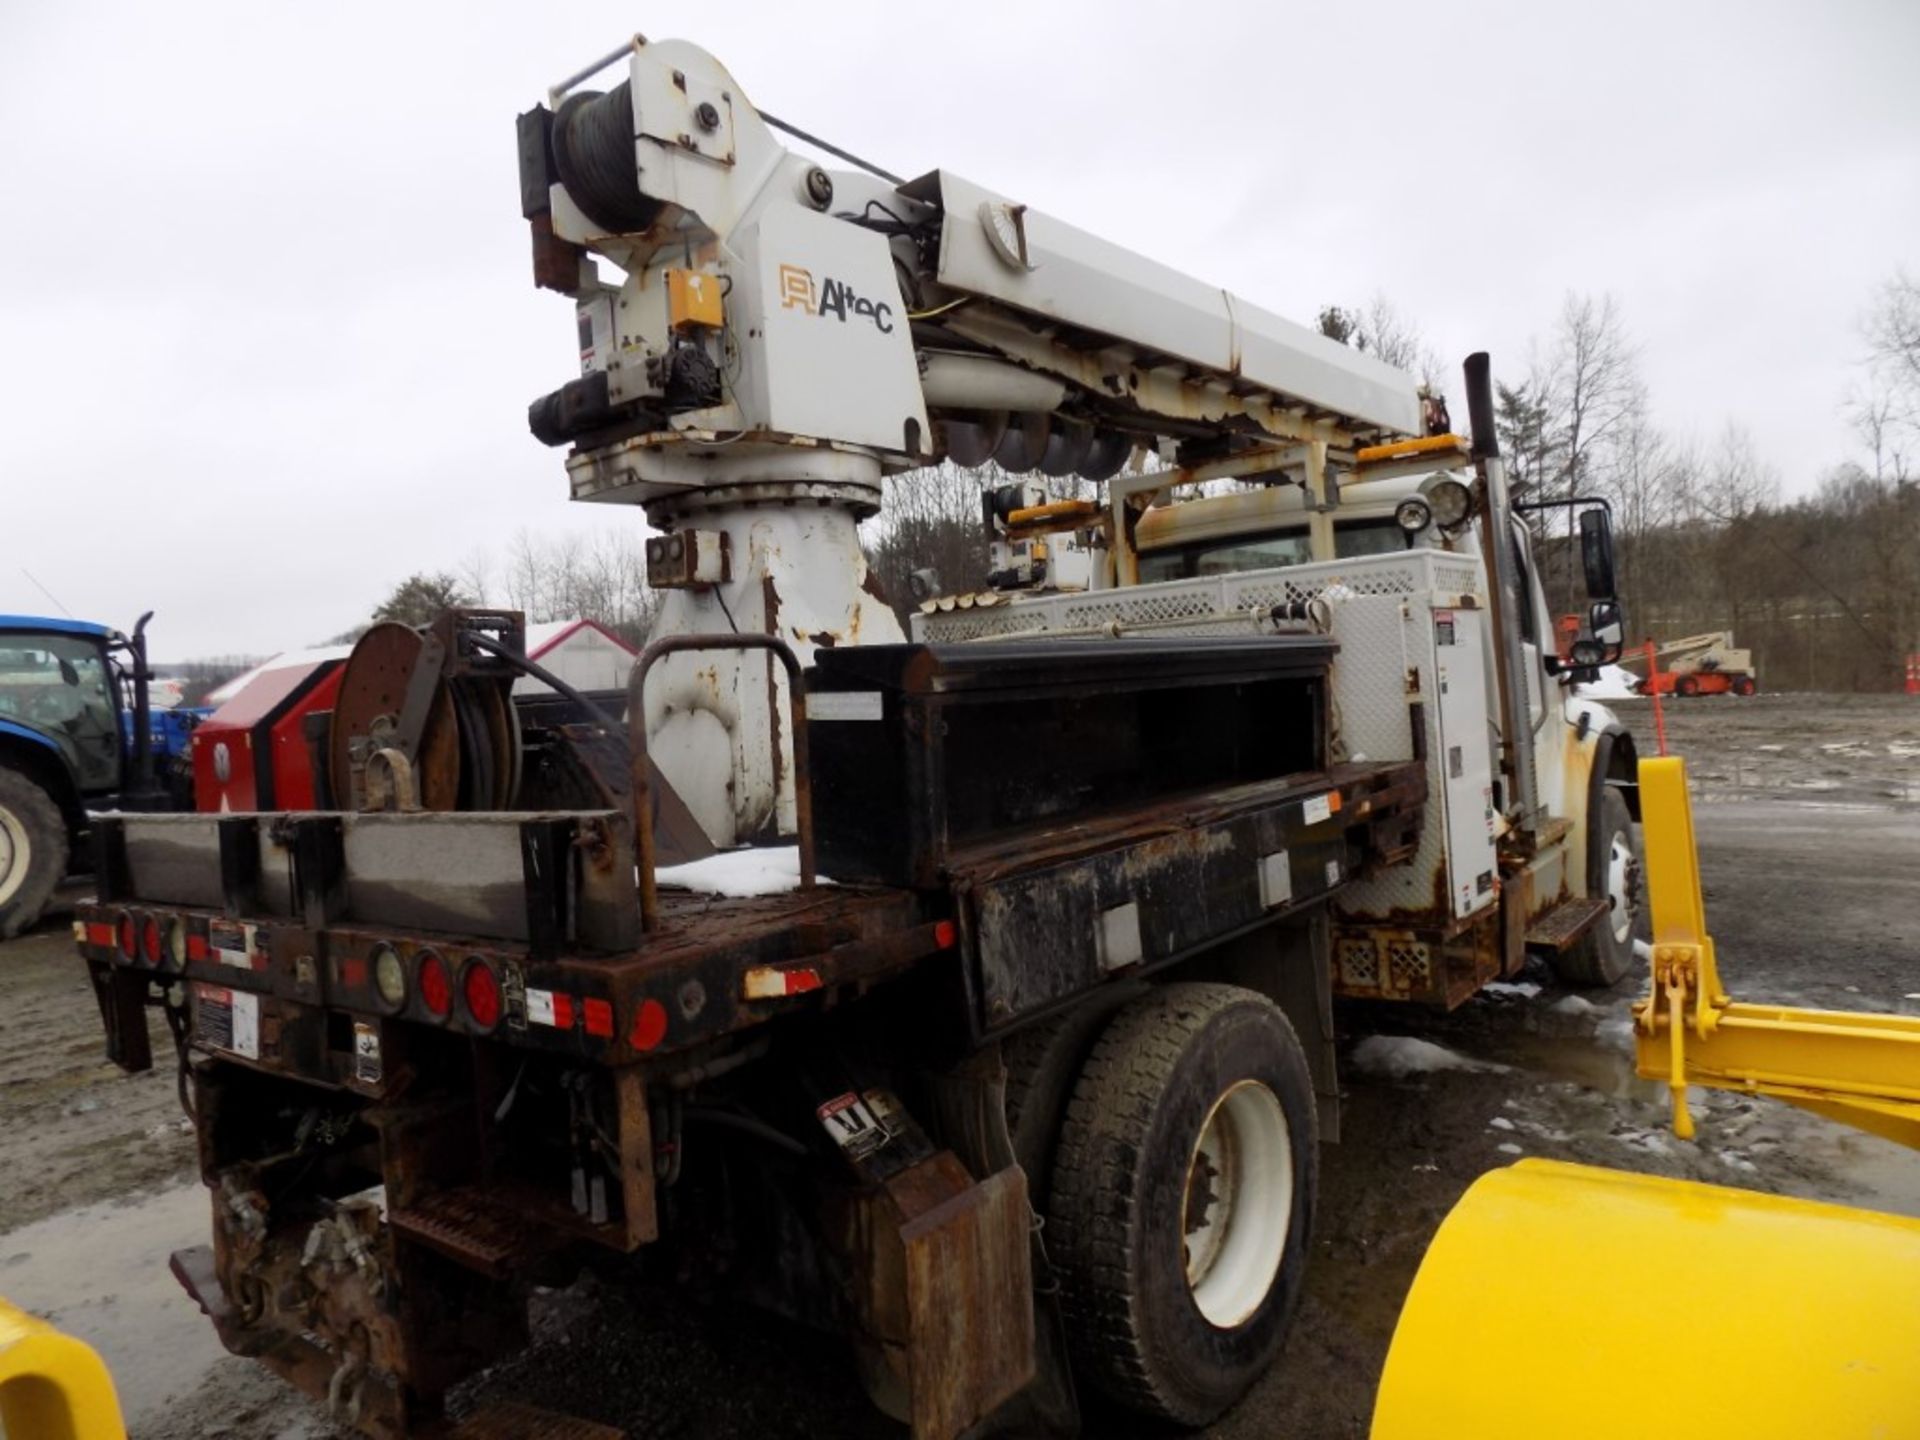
(1596, 553)
(1602, 640)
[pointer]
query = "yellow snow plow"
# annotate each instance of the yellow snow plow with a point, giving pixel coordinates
(1668, 1308)
(52, 1387)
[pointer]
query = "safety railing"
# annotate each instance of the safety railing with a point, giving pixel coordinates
(642, 778)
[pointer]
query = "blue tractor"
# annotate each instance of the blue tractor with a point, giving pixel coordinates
(76, 735)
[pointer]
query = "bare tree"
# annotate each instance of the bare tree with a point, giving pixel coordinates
(1382, 331)
(1893, 338)
(1885, 411)
(1592, 386)
(1595, 382)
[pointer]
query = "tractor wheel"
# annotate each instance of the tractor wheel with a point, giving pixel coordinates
(1605, 953)
(33, 851)
(1686, 685)
(1745, 686)
(1182, 1198)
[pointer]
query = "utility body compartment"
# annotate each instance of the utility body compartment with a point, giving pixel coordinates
(921, 751)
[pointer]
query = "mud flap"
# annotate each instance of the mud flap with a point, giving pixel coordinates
(969, 1305)
(122, 996)
(944, 1294)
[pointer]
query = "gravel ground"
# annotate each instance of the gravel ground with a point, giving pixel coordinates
(1809, 827)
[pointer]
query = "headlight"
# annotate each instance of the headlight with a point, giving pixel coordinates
(1412, 515)
(1450, 501)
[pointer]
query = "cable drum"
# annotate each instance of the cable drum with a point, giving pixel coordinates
(594, 152)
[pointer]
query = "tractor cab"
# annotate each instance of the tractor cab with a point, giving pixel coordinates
(60, 690)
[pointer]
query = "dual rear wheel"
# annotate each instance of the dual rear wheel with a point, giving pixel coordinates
(1179, 1199)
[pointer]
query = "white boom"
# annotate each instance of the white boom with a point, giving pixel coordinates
(782, 336)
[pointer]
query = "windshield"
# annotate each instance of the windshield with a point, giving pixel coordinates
(59, 685)
(1233, 554)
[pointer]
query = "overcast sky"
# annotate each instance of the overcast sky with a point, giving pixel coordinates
(267, 332)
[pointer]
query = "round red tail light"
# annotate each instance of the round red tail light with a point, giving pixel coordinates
(481, 991)
(150, 941)
(128, 937)
(436, 986)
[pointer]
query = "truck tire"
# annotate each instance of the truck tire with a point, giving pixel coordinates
(1745, 686)
(33, 851)
(1043, 1062)
(1614, 865)
(1181, 1205)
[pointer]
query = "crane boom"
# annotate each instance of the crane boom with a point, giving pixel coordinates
(775, 337)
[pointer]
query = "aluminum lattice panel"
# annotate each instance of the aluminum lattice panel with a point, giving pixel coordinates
(1230, 597)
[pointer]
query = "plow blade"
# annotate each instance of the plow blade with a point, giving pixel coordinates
(1571, 1301)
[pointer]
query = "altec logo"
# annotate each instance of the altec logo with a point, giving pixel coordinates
(834, 297)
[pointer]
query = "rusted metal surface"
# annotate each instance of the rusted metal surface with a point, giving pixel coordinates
(467, 1225)
(373, 709)
(969, 1291)
(1055, 913)
(1562, 926)
(641, 776)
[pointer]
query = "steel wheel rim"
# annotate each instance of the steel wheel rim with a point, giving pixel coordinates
(16, 854)
(1620, 868)
(1237, 1206)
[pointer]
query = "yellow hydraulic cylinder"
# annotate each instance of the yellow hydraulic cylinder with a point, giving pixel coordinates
(1567, 1301)
(52, 1387)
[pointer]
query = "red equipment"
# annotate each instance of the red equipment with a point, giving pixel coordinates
(252, 753)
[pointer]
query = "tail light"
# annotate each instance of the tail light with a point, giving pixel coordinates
(389, 977)
(436, 985)
(480, 989)
(150, 941)
(127, 936)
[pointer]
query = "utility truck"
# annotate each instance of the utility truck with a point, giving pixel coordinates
(1030, 1095)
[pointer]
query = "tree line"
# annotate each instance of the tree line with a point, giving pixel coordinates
(1824, 588)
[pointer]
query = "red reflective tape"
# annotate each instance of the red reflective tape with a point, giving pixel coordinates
(353, 972)
(99, 933)
(196, 947)
(801, 980)
(599, 1015)
(649, 1025)
(563, 1012)
(945, 933)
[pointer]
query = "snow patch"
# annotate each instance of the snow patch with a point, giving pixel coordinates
(1500, 1122)
(1398, 1056)
(1511, 989)
(1614, 683)
(1617, 1033)
(1510, 1149)
(1573, 1005)
(771, 870)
